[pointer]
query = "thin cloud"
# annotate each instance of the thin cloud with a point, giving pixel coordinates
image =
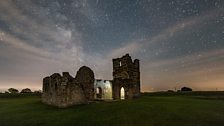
(195, 21)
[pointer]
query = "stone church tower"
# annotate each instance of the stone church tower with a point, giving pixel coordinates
(126, 78)
(65, 90)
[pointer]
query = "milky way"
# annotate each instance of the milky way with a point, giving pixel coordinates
(179, 42)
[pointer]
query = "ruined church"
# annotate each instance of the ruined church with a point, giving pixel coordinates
(65, 90)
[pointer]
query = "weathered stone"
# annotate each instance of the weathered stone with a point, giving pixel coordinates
(103, 89)
(126, 75)
(63, 91)
(85, 77)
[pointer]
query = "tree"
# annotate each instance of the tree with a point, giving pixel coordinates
(13, 90)
(186, 89)
(37, 92)
(26, 90)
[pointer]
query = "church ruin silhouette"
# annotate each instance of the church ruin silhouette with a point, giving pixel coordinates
(63, 91)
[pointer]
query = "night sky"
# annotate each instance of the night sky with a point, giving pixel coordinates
(179, 42)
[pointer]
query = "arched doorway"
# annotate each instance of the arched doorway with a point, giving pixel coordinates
(99, 92)
(122, 94)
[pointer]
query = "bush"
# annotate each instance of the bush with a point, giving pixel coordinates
(186, 89)
(26, 90)
(13, 90)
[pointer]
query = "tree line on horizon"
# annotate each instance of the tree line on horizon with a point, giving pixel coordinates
(23, 91)
(28, 90)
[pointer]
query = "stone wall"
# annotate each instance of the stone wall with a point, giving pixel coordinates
(103, 89)
(126, 74)
(85, 78)
(63, 91)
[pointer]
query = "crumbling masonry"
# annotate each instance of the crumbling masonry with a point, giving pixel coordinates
(126, 76)
(63, 91)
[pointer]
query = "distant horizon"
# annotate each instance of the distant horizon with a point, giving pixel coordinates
(2, 90)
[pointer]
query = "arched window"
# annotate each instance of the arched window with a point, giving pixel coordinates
(99, 92)
(122, 96)
(120, 63)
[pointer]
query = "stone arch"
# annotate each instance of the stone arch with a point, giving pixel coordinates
(124, 75)
(122, 93)
(99, 92)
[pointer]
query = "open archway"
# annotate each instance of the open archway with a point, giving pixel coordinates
(99, 92)
(122, 93)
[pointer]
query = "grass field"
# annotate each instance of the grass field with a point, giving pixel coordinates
(157, 109)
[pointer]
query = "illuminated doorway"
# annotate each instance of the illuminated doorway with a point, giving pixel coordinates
(99, 92)
(122, 94)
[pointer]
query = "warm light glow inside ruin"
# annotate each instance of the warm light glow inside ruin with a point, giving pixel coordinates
(122, 93)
